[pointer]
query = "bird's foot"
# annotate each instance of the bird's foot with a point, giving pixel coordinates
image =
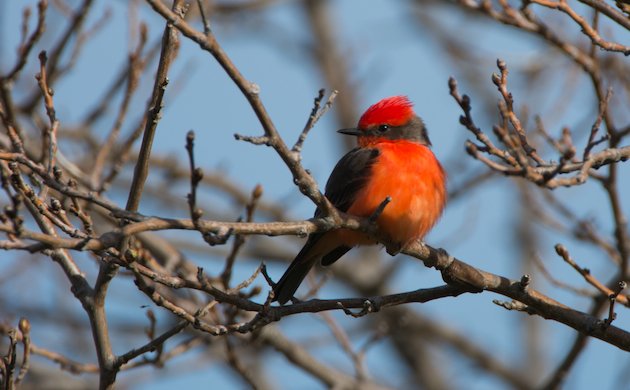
(394, 248)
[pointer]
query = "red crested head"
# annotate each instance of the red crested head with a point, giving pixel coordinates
(390, 120)
(393, 111)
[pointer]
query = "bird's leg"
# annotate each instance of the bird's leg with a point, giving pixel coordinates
(394, 248)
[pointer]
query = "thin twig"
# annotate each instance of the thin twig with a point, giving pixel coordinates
(25, 328)
(151, 345)
(27, 45)
(586, 274)
(592, 142)
(613, 298)
(501, 83)
(316, 114)
(57, 51)
(586, 28)
(204, 19)
(51, 139)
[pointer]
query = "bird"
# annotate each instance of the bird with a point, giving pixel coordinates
(392, 160)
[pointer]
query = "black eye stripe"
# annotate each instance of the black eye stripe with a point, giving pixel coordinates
(383, 128)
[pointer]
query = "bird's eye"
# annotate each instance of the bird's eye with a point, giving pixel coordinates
(383, 128)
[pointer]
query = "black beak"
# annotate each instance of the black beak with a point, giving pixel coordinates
(355, 132)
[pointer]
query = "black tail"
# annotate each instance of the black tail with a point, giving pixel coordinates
(303, 262)
(297, 271)
(292, 278)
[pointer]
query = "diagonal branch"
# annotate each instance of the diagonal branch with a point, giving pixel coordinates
(170, 47)
(208, 42)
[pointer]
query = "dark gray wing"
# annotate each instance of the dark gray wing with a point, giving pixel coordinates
(346, 180)
(349, 177)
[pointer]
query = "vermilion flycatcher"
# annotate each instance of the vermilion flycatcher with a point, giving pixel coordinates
(393, 160)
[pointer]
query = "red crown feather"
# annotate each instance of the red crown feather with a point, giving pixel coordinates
(393, 111)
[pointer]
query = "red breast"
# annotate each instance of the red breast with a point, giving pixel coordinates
(411, 176)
